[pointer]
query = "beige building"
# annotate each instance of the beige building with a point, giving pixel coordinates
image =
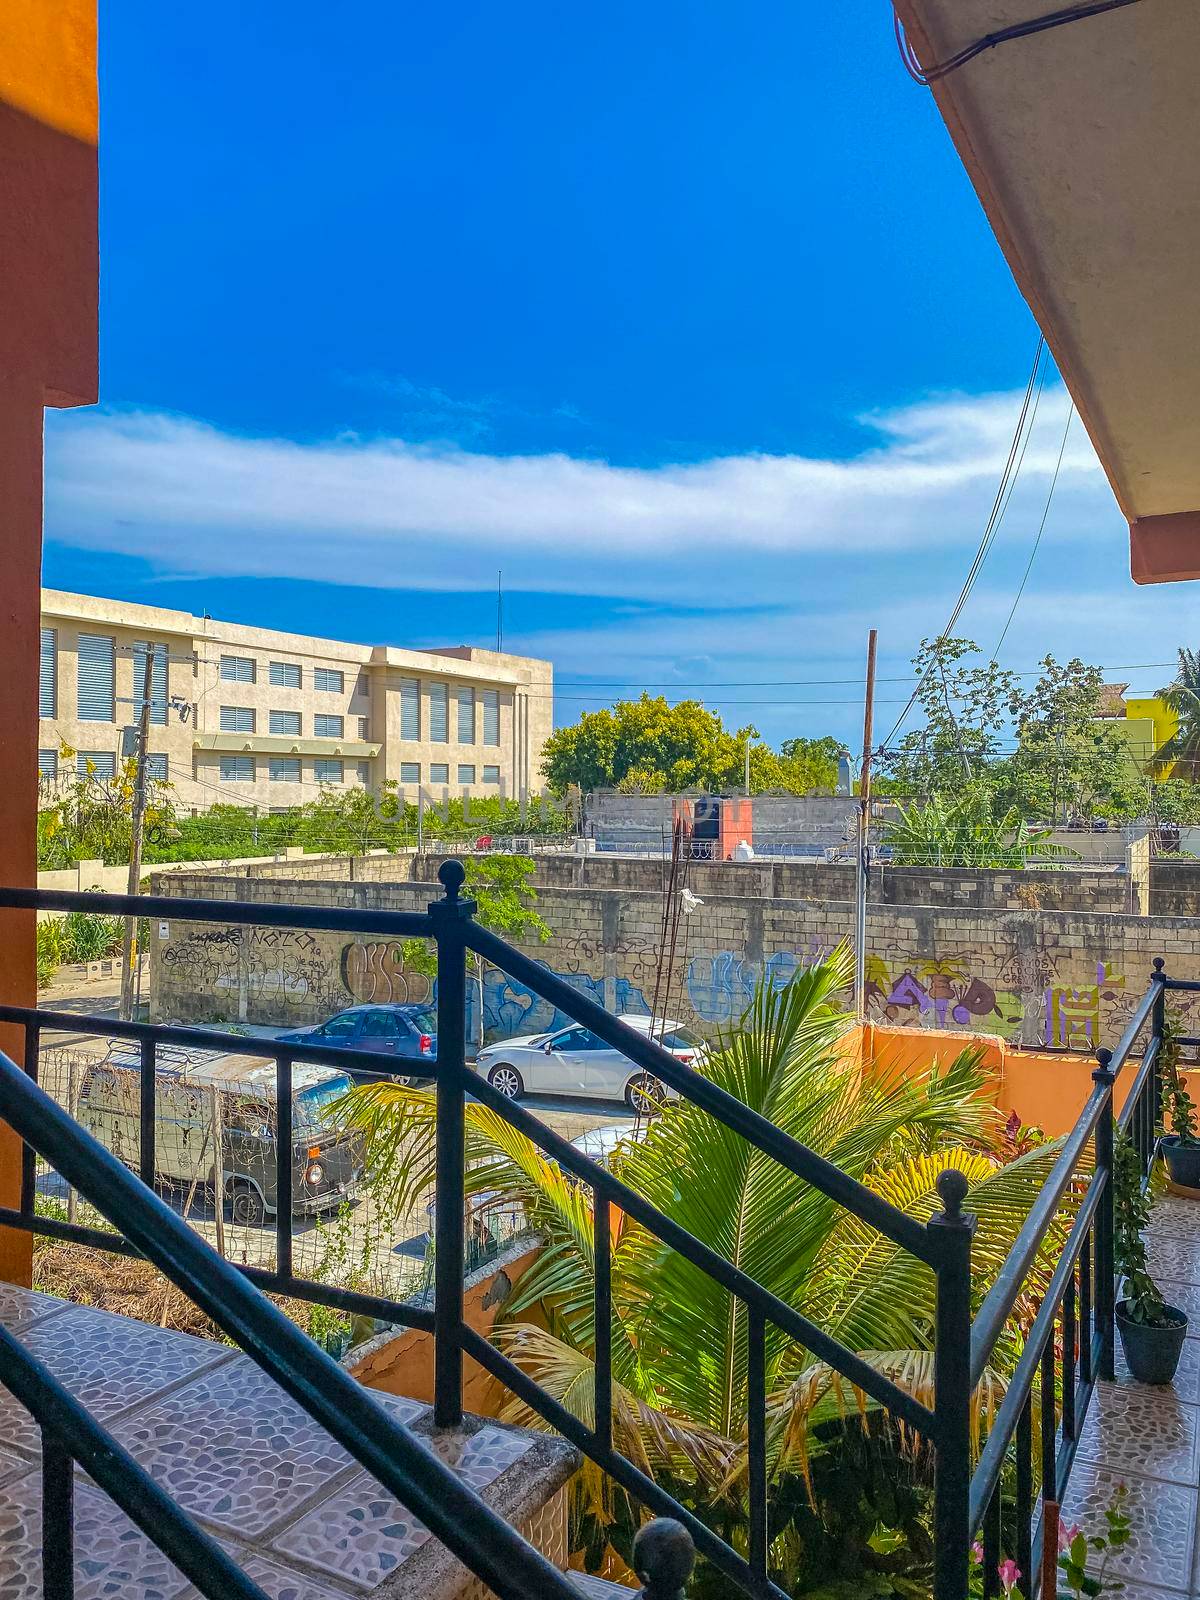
(248, 716)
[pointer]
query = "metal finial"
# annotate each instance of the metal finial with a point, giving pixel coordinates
(1103, 1072)
(663, 1558)
(952, 1186)
(452, 875)
(1159, 966)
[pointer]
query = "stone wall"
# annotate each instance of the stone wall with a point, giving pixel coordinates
(1053, 889)
(1065, 979)
(1175, 888)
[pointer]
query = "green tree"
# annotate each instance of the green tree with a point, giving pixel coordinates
(648, 746)
(680, 1401)
(965, 706)
(1182, 750)
(91, 818)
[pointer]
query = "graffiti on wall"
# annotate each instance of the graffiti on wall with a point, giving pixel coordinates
(273, 968)
(721, 987)
(374, 973)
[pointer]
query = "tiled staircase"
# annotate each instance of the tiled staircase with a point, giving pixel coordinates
(292, 1508)
(1149, 1438)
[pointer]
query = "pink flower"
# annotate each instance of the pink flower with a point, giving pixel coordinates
(977, 1553)
(1067, 1536)
(1009, 1574)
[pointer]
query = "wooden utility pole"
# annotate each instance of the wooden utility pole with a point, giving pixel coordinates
(129, 948)
(862, 874)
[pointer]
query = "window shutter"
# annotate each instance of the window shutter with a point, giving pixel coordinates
(491, 716)
(97, 677)
(410, 708)
(48, 674)
(439, 713)
(466, 716)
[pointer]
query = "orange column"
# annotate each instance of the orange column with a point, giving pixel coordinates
(49, 270)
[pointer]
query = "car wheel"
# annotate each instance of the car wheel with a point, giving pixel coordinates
(506, 1080)
(644, 1094)
(246, 1206)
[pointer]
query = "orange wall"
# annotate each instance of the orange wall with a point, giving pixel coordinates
(49, 277)
(1045, 1088)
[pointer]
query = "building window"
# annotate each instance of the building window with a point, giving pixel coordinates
(285, 722)
(97, 677)
(48, 674)
(364, 728)
(47, 763)
(410, 772)
(491, 774)
(439, 772)
(285, 769)
(287, 675)
(328, 727)
(466, 774)
(327, 770)
(364, 773)
(156, 766)
(237, 719)
(439, 713)
(466, 716)
(237, 669)
(237, 769)
(158, 681)
(329, 680)
(99, 764)
(410, 708)
(491, 716)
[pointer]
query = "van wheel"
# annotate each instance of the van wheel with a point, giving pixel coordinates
(506, 1080)
(246, 1206)
(644, 1094)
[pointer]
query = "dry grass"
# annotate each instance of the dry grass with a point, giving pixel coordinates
(134, 1288)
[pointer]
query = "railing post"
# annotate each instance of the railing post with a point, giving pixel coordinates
(450, 916)
(1158, 1027)
(1105, 1287)
(952, 1392)
(663, 1558)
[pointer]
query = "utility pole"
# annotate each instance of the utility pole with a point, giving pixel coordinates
(864, 825)
(129, 948)
(746, 782)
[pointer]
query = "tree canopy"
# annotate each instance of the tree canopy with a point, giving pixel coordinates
(649, 746)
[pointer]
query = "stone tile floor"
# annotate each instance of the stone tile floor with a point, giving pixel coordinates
(288, 1503)
(1149, 1438)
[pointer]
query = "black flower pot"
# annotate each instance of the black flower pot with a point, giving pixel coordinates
(1152, 1353)
(1183, 1161)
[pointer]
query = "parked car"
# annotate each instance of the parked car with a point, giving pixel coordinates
(408, 1032)
(196, 1089)
(575, 1061)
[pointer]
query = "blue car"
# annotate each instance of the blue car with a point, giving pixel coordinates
(405, 1032)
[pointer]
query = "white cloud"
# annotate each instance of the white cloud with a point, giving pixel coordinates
(389, 513)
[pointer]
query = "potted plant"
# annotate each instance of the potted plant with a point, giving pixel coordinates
(1152, 1332)
(1180, 1147)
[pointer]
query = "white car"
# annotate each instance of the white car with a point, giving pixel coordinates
(575, 1061)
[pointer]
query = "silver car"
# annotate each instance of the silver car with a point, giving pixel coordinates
(575, 1061)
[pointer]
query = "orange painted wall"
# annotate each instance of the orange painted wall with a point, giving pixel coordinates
(49, 281)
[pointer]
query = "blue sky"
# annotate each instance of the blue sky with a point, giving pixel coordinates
(686, 318)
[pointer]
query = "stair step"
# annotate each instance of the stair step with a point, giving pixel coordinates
(250, 1466)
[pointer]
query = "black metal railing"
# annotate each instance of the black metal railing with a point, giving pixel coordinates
(349, 1413)
(966, 1495)
(1069, 1343)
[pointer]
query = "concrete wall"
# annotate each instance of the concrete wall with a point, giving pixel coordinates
(1175, 888)
(1065, 979)
(1070, 889)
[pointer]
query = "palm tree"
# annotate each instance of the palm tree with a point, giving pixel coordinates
(1182, 749)
(965, 831)
(679, 1342)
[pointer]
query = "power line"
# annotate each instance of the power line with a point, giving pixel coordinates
(1016, 454)
(989, 41)
(1041, 528)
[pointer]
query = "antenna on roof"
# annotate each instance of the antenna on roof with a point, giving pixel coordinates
(499, 611)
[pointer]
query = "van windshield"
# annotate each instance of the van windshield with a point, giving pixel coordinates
(311, 1106)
